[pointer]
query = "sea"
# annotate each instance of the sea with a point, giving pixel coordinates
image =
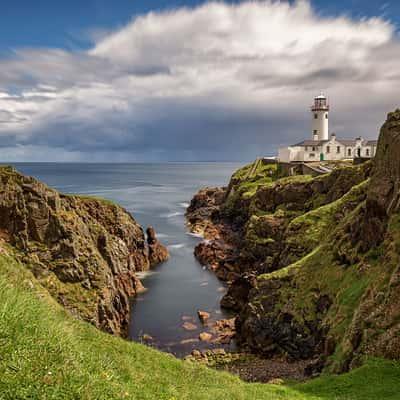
(157, 195)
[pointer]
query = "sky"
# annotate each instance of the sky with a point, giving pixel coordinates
(157, 80)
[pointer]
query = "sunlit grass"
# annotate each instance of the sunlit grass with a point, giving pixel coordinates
(46, 354)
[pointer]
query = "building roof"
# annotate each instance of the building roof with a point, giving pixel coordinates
(350, 143)
(311, 143)
(347, 142)
(354, 142)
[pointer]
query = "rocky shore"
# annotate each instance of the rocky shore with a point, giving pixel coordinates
(309, 261)
(250, 367)
(84, 251)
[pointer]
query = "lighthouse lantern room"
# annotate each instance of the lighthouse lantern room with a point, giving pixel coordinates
(320, 119)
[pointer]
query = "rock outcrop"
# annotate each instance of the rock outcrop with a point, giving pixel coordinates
(314, 260)
(85, 251)
(203, 210)
(157, 252)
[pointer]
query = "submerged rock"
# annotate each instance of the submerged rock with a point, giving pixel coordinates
(188, 326)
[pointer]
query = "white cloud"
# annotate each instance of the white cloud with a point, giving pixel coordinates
(217, 81)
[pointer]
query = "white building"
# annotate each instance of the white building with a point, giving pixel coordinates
(323, 147)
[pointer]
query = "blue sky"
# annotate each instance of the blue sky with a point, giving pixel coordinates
(67, 24)
(151, 80)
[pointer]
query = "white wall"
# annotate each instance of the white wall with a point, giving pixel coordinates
(311, 153)
(290, 154)
(307, 154)
(330, 150)
(320, 124)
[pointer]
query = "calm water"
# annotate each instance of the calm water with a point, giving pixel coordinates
(156, 194)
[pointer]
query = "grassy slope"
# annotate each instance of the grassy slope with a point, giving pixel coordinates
(45, 354)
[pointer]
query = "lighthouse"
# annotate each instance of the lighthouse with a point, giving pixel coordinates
(323, 147)
(320, 118)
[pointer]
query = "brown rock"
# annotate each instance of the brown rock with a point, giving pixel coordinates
(157, 252)
(75, 244)
(188, 326)
(203, 316)
(188, 341)
(205, 337)
(219, 257)
(203, 212)
(224, 330)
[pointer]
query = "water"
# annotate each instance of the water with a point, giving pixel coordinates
(156, 194)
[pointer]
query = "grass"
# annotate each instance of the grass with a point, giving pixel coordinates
(376, 379)
(91, 198)
(310, 228)
(46, 354)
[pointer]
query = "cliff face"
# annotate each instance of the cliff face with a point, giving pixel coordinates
(316, 275)
(84, 251)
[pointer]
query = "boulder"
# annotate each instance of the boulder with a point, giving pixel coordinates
(204, 316)
(157, 252)
(205, 337)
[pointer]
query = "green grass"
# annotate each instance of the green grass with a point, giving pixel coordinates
(46, 354)
(376, 379)
(91, 198)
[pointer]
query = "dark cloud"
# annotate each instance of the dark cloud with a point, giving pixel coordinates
(215, 82)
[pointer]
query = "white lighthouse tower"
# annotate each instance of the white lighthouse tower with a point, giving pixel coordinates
(320, 118)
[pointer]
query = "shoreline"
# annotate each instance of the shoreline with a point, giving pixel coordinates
(218, 254)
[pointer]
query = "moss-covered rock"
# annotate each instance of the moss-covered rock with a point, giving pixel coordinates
(318, 259)
(335, 293)
(85, 251)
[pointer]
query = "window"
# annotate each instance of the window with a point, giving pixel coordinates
(367, 152)
(315, 131)
(312, 155)
(328, 149)
(326, 116)
(349, 152)
(313, 148)
(338, 149)
(315, 116)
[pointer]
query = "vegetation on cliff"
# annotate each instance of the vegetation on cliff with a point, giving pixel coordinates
(338, 300)
(316, 271)
(47, 354)
(84, 251)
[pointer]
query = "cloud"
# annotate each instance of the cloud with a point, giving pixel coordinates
(218, 81)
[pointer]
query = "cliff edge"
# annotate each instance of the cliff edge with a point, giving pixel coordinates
(84, 251)
(311, 263)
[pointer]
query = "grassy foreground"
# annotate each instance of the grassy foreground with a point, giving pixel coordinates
(46, 354)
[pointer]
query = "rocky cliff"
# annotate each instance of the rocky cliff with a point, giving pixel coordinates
(85, 251)
(312, 263)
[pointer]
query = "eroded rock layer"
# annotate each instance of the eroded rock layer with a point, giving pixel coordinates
(312, 262)
(85, 251)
